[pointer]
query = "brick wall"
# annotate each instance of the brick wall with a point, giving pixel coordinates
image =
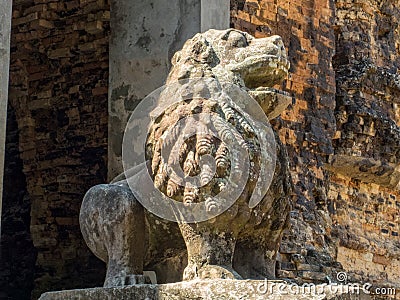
(306, 127)
(365, 195)
(59, 79)
(18, 255)
(343, 144)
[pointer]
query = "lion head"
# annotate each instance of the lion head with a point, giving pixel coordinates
(256, 65)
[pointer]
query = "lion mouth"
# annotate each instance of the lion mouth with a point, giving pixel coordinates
(262, 70)
(272, 101)
(260, 74)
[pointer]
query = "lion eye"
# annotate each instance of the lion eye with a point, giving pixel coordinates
(237, 39)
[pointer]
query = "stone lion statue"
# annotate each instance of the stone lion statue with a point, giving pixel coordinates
(241, 242)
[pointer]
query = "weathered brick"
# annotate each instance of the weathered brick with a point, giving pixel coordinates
(94, 27)
(62, 130)
(25, 19)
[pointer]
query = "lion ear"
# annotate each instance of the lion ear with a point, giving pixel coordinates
(176, 58)
(200, 48)
(225, 35)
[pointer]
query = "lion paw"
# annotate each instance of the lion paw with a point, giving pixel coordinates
(126, 280)
(211, 272)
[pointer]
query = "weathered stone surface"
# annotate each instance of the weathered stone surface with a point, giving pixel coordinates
(241, 242)
(215, 289)
(113, 225)
(364, 195)
(366, 170)
(273, 102)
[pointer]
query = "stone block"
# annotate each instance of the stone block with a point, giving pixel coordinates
(94, 27)
(42, 24)
(26, 19)
(307, 267)
(58, 53)
(317, 276)
(222, 289)
(380, 259)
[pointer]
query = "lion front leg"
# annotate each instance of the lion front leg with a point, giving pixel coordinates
(210, 252)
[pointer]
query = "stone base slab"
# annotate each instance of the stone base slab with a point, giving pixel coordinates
(213, 289)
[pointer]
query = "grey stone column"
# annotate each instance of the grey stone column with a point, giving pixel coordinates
(144, 37)
(215, 14)
(5, 32)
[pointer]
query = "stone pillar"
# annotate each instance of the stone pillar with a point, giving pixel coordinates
(215, 14)
(144, 37)
(5, 32)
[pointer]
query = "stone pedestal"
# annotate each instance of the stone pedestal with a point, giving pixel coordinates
(213, 289)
